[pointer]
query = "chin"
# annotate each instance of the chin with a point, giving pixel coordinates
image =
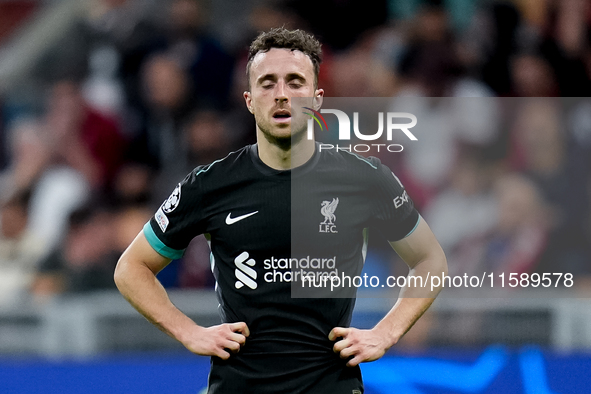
(278, 137)
(282, 136)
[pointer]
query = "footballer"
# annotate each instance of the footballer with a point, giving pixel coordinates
(263, 209)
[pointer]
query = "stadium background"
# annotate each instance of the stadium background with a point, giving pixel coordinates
(106, 104)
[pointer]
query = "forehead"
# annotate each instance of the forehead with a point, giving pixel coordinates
(281, 61)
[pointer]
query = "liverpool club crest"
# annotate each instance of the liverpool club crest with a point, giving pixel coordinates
(327, 210)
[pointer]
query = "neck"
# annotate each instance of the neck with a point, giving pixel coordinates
(286, 156)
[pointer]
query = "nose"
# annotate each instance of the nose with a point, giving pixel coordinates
(280, 93)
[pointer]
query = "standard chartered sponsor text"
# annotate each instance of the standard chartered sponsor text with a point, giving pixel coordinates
(295, 269)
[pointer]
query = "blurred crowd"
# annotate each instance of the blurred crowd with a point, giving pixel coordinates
(140, 92)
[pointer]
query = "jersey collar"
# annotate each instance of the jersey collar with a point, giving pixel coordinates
(283, 174)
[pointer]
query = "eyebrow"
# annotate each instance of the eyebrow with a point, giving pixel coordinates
(273, 77)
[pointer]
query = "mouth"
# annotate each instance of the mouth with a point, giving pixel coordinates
(282, 115)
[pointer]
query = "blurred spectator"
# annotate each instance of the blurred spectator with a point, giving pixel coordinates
(122, 23)
(496, 28)
(358, 72)
(532, 76)
(58, 192)
(132, 185)
(467, 196)
(82, 138)
(55, 190)
(127, 222)
(429, 65)
(28, 154)
(207, 138)
(113, 34)
(445, 124)
(79, 151)
(541, 149)
(117, 36)
(519, 236)
(169, 101)
(20, 250)
(86, 259)
(433, 64)
(185, 39)
(565, 39)
(521, 230)
(102, 89)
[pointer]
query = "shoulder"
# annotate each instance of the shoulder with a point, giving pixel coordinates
(206, 179)
(349, 161)
(221, 168)
(369, 172)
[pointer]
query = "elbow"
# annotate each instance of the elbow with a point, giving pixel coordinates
(120, 273)
(442, 260)
(444, 267)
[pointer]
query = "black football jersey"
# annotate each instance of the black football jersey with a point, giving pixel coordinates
(266, 229)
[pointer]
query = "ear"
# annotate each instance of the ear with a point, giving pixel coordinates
(248, 100)
(318, 98)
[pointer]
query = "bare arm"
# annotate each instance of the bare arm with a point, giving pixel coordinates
(423, 254)
(135, 277)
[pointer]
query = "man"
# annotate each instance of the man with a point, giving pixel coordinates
(262, 205)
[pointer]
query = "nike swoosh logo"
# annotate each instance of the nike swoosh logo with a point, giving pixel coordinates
(230, 220)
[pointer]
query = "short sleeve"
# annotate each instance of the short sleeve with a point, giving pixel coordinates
(394, 213)
(177, 221)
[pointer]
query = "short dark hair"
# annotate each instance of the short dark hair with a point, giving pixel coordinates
(291, 39)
